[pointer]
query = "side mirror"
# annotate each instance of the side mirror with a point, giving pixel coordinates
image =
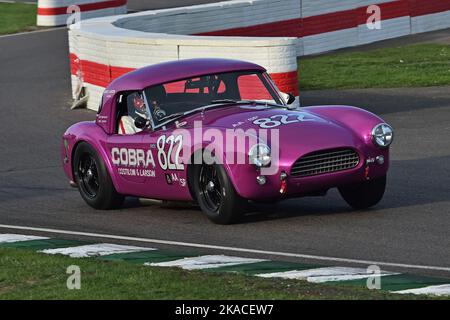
(290, 99)
(140, 122)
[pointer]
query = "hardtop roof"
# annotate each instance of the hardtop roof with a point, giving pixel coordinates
(142, 78)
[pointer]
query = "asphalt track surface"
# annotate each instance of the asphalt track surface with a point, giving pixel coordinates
(411, 225)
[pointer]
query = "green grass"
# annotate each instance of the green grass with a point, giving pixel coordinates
(17, 17)
(420, 65)
(25, 274)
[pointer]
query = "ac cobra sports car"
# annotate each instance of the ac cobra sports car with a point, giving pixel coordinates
(220, 133)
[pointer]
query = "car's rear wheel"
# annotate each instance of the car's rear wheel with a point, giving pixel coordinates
(216, 194)
(93, 179)
(365, 194)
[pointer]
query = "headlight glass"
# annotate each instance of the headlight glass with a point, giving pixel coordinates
(259, 155)
(383, 135)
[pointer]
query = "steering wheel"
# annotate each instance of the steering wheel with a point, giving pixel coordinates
(159, 113)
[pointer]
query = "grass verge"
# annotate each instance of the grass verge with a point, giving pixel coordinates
(420, 65)
(25, 274)
(17, 17)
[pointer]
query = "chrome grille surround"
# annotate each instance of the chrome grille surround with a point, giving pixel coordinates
(325, 161)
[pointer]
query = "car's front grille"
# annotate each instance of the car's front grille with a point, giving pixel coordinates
(325, 161)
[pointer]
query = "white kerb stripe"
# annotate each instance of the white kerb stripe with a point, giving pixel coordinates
(9, 237)
(234, 249)
(440, 290)
(327, 274)
(205, 262)
(93, 250)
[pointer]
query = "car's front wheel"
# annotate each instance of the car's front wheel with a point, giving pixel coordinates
(93, 179)
(216, 194)
(365, 194)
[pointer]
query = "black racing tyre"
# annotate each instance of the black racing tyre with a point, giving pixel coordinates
(365, 194)
(216, 194)
(93, 179)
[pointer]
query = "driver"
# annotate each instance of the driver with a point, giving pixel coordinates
(155, 96)
(136, 108)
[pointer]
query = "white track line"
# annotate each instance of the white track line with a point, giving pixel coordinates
(95, 250)
(8, 238)
(235, 249)
(205, 262)
(320, 275)
(441, 290)
(31, 32)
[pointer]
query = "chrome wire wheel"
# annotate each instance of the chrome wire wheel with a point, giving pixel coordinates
(210, 187)
(88, 175)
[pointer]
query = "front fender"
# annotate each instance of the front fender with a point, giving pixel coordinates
(359, 121)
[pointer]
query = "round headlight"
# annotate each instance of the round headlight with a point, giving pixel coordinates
(383, 135)
(259, 155)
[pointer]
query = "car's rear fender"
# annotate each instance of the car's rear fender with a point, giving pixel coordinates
(90, 133)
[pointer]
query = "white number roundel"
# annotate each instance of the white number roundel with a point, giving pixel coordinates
(283, 119)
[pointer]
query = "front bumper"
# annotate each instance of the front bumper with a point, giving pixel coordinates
(248, 187)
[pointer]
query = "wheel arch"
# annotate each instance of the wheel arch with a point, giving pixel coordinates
(190, 177)
(100, 151)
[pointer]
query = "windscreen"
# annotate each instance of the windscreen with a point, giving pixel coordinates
(189, 94)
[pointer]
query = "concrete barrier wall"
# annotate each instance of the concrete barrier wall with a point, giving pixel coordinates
(54, 12)
(271, 33)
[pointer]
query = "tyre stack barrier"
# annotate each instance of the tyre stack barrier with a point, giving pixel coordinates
(104, 48)
(272, 33)
(51, 13)
(101, 52)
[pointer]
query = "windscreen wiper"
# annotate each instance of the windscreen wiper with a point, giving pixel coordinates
(256, 102)
(222, 101)
(171, 116)
(218, 104)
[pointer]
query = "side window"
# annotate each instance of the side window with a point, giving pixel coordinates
(121, 110)
(100, 106)
(130, 105)
(136, 105)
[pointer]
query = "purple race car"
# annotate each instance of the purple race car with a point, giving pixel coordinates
(219, 132)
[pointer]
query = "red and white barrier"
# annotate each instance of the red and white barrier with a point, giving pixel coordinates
(55, 12)
(324, 25)
(430, 15)
(102, 49)
(395, 21)
(253, 30)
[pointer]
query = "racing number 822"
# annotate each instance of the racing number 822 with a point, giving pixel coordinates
(282, 119)
(175, 145)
